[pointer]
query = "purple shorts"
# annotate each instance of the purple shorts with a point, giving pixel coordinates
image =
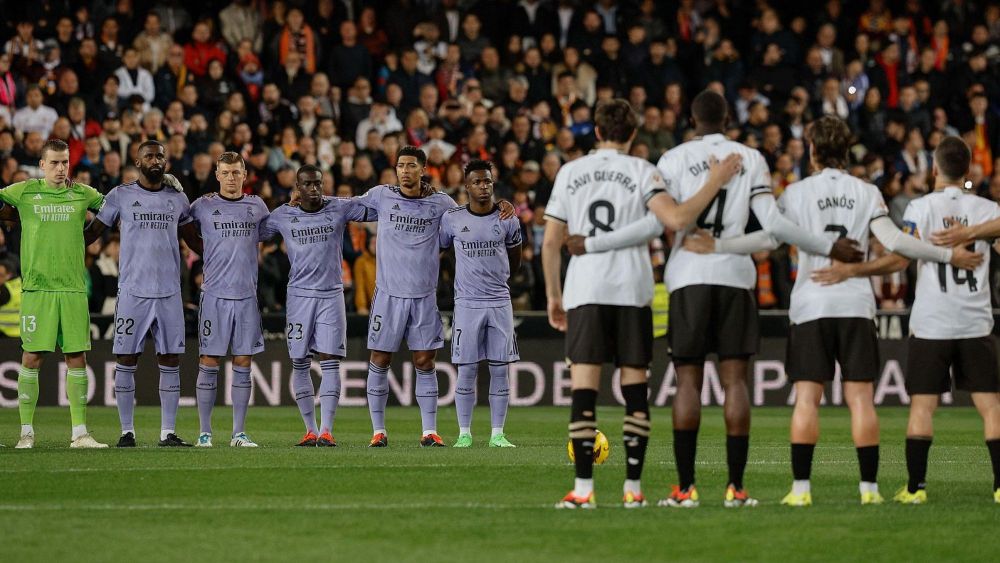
(391, 319)
(483, 334)
(136, 317)
(225, 324)
(316, 324)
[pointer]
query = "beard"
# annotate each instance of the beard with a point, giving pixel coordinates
(154, 175)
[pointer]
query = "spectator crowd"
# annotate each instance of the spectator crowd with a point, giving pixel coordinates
(343, 84)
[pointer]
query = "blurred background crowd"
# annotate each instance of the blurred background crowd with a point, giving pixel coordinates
(342, 84)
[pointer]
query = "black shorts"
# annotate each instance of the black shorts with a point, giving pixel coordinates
(599, 334)
(816, 346)
(707, 319)
(973, 362)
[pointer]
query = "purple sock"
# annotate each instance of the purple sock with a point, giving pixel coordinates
(241, 390)
(427, 399)
(329, 393)
(465, 395)
(205, 391)
(499, 394)
(170, 396)
(378, 395)
(125, 396)
(304, 392)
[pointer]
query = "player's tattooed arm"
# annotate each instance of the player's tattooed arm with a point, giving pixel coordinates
(507, 209)
(838, 272)
(191, 236)
(93, 232)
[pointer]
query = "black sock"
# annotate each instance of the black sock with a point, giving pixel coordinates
(737, 450)
(802, 461)
(868, 462)
(917, 450)
(994, 447)
(635, 429)
(582, 429)
(685, 447)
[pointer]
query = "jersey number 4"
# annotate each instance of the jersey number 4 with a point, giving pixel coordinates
(718, 205)
(958, 275)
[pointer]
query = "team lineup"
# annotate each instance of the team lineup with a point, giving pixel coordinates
(604, 209)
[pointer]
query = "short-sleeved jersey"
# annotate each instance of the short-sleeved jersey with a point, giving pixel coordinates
(950, 303)
(52, 222)
(314, 241)
(685, 170)
(407, 261)
(839, 205)
(482, 267)
(230, 230)
(150, 262)
(603, 191)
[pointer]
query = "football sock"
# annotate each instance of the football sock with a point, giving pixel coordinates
(737, 451)
(304, 392)
(632, 486)
(583, 488)
(125, 396)
(205, 390)
(499, 395)
(917, 450)
(685, 448)
(378, 396)
(76, 392)
(582, 431)
(241, 390)
(800, 486)
(994, 447)
(170, 398)
(465, 396)
(635, 428)
(802, 459)
(329, 393)
(868, 463)
(27, 394)
(427, 399)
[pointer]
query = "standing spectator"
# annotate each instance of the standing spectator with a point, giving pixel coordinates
(24, 48)
(134, 79)
(297, 36)
(293, 80)
(371, 35)
(349, 60)
(241, 22)
(109, 46)
(152, 44)
(8, 90)
(172, 77)
(35, 117)
(202, 50)
(471, 43)
(889, 75)
(409, 79)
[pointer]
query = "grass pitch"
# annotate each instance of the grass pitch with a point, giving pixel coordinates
(280, 503)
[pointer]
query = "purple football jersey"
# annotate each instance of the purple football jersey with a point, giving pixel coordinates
(230, 230)
(150, 254)
(408, 262)
(481, 264)
(314, 242)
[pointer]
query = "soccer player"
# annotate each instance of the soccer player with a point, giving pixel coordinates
(712, 306)
(313, 231)
(951, 320)
(406, 279)
(54, 311)
(605, 312)
(228, 316)
(149, 212)
(834, 324)
(487, 250)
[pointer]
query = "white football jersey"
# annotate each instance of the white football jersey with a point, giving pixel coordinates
(950, 303)
(685, 170)
(835, 203)
(604, 191)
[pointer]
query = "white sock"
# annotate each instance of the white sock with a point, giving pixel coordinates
(380, 431)
(124, 432)
(431, 431)
(79, 431)
(632, 486)
(583, 488)
(866, 487)
(496, 432)
(27, 429)
(165, 432)
(800, 487)
(465, 430)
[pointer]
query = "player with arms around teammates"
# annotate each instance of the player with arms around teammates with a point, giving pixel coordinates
(952, 319)
(487, 250)
(149, 212)
(405, 302)
(228, 315)
(605, 311)
(712, 306)
(313, 231)
(834, 324)
(54, 309)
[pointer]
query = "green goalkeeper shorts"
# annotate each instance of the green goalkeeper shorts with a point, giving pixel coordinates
(49, 318)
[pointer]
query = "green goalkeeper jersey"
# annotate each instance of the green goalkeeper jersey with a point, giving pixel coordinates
(52, 223)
